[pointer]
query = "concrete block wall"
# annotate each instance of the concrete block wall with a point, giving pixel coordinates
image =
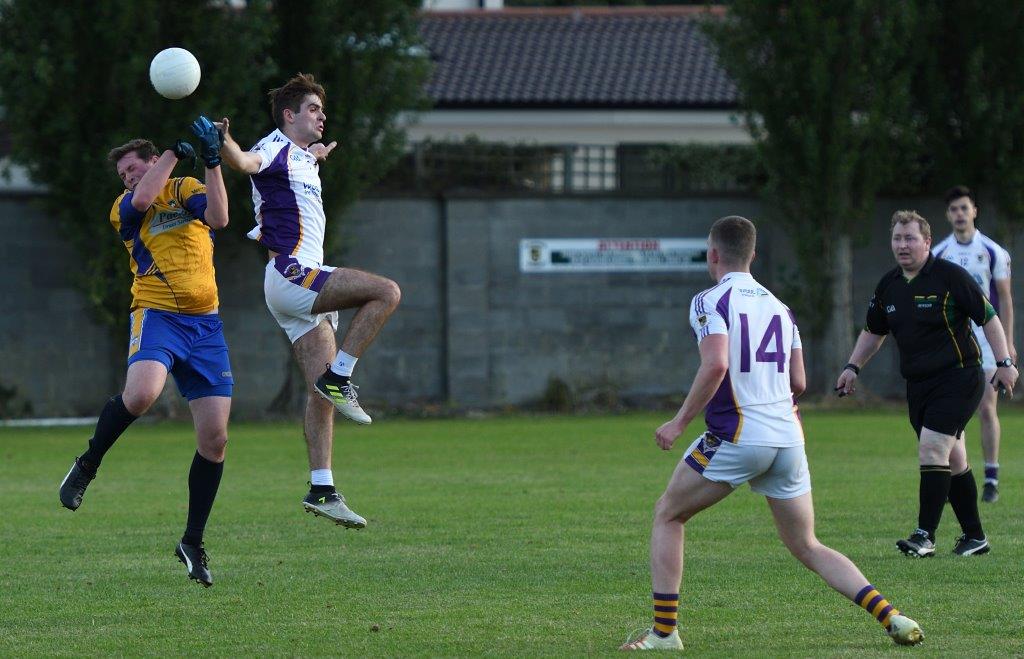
(471, 330)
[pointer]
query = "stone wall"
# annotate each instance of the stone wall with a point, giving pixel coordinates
(471, 331)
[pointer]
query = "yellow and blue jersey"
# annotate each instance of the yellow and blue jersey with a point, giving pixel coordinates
(171, 248)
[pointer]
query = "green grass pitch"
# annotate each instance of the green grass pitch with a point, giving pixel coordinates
(510, 536)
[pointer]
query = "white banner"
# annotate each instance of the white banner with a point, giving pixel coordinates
(612, 254)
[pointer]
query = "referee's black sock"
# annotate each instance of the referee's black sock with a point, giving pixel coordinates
(203, 482)
(932, 496)
(963, 497)
(114, 420)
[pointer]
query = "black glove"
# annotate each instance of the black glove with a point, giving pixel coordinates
(183, 150)
(210, 140)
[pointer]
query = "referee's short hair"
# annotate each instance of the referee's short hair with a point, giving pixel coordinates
(958, 191)
(734, 237)
(906, 217)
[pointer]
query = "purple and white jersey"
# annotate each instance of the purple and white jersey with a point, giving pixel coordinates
(754, 403)
(982, 257)
(286, 193)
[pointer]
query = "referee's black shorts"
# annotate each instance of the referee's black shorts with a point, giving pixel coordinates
(946, 402)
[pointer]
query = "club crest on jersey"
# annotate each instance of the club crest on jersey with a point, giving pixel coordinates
(926, 301)
(294, 271)
(702, 320)
(981, 258)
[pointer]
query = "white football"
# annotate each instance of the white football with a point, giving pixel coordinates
(174, 73)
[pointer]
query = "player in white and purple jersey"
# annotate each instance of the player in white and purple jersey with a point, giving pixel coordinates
(303, 294)
(751, 370)
(989, 264)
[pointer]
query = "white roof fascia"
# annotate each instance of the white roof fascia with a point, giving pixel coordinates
(580, 126)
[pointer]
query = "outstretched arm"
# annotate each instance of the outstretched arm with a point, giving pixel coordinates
(714, 364)
(242, 161)
(867, 345)
(216, 199)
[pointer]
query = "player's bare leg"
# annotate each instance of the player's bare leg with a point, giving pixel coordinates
(143, 384)
(376, 298)
(991, 431)
(312, 350)
(687, 494)
(145, 380)
(794, 519)
(210, 416)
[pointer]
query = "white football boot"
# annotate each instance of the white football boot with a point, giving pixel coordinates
(648, 640)
(904, 631)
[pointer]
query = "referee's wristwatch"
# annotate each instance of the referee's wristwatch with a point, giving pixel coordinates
(1005, 363)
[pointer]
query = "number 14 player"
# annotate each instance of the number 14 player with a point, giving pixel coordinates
(751, 368)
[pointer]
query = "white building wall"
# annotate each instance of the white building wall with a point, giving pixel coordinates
(580, 126)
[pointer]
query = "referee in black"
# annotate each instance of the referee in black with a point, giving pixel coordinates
(928, 304)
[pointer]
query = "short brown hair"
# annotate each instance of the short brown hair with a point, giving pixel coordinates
(734, 237)
(906, 217)
(289, 96)
(144, 149)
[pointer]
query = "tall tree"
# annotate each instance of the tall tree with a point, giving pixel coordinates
(74, 83)
(824, 88)
(369, 58)
(970, 90)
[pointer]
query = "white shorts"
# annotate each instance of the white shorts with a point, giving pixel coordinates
(779, 473)
(988, 358)
(290, 286)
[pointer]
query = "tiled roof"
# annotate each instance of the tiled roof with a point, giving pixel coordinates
(656, 57)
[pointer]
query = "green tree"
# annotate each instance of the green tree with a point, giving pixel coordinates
(825, 92)
(74, 83)
(971, 92)
(370, 61)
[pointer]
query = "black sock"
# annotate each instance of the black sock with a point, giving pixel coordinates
(331, 376)
(203, 481)
(932, 497)
(322, 489)
(114, 420)
(963, 497)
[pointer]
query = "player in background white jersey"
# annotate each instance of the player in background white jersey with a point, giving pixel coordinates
(303, 294)
(989, 264)
(751, 370)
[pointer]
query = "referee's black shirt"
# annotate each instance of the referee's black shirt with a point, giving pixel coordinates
(930, 317)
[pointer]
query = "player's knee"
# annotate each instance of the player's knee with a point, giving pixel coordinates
(213, 444)
(987, 413)
(138, 401)
(666, 511)
(391, 294)
(803, 548)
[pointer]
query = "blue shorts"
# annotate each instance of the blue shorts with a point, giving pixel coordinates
(191, 347)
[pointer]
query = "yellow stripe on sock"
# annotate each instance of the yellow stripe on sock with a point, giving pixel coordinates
(863, 603)
(878, 607)
(667, 629)
(674, 615)
(894, 612)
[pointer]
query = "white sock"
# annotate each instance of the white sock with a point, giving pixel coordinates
(344, 363)
(321, 477)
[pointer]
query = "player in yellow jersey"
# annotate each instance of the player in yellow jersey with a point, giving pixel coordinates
(166, 225)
